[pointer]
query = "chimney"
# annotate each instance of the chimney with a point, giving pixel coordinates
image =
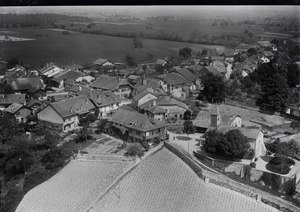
(71, 110)
(80, 88)
(154, 103)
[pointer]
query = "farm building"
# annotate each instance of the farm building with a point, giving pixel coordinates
(26, 85)
(8, 99)
(68, 112)
(103, 62)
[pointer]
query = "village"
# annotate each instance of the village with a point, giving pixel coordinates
(120, 112)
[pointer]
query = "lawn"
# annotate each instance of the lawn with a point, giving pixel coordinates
(81, 48)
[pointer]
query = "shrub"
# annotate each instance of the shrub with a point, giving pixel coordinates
(252, 165)
(290, 187)
(135, 149)
(145, 144)
(53, 159)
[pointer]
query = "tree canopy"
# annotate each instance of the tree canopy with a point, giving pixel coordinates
(185, 52)
(188, 127)
(214, 88)
(232, 144)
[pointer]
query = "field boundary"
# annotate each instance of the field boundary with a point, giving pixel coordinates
(223, 181)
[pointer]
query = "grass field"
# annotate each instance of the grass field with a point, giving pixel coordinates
(53, 46)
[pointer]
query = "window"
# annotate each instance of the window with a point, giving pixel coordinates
(147, 134)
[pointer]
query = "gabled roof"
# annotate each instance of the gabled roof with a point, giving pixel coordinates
(73, 106)
(6, 99)
(33, 102)
(149, 82)
(80, 90)
(109, 83)
(164, 101)
(70, 75)
(186, 74)
(215, 110)
(74, 67)
(101, 61)
(26, 84)
(156, 110)
(50, 70)
(16, 72)
(104, 98)
(174, 79)
(142, 94)
(13, 108)
(213, 70)
(250, 133)
(229, 52)
(135, 120)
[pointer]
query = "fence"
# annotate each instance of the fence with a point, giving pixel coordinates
(221, 180)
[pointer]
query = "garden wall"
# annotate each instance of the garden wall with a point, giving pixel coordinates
(226, 182)
(271, 180)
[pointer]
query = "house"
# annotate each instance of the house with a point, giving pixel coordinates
(50, 70)
(213, 70)
(75, 67)
(255, 138)
(172, 108)
(8, 99)
(219, 66)
(78, 90)
(68, 112)
(25, 85)
(33, 105)
(103, 62)
(212, 118)
(161, 62)
(138, 127)
(229, 55)
(21, 112)
(16, 72)
(268, 54)
(106, 102)
(264, 43)
(117, 85)
(242, 48)
(144, 97)
(173, 84)
(85, 79)
(132, 79)
(245, 68)
(66, 78)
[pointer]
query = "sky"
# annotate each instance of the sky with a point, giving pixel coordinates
(146, 11)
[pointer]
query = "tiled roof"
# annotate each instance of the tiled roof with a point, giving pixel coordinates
(27, 84)
(213, 70)
(100, 61)
(174, 79)
(12, 98)
(248, 132)
(149, 82)
(73, 106)
(135, 120)
(108, 83)
(229, 52)
(104, 98)
(70, 75)
(187, 74)
(33, 102)
(80, 90)
(13, 108)
(142, 94)
(156, 110)
(74, 66)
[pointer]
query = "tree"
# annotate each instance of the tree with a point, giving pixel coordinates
(53, 158)
(203, 53)
(276, 93)
(214, 88)
(187, 115)
(185, 53)
(188, 127)
(212, 140)
(252, 51)
(137, 41)
(135, 149)
(84, 135)
(12, 63)
(129, 61)
(293, 76)
(235, 144)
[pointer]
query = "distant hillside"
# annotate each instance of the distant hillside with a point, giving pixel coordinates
(35, 20)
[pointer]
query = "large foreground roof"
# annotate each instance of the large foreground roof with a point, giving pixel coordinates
(163, 182)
